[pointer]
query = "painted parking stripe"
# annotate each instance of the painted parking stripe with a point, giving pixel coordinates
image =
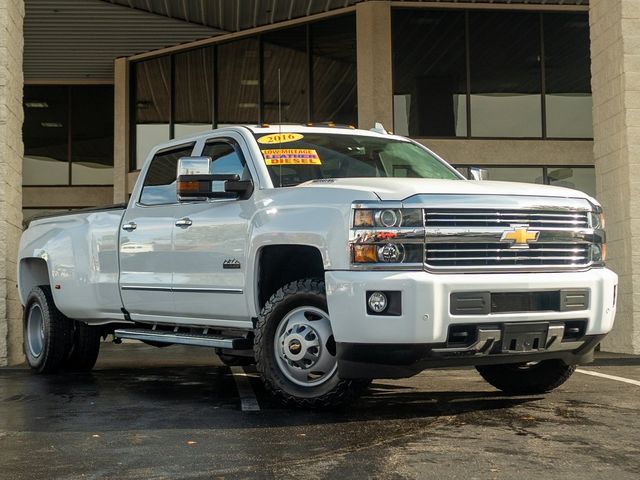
(610, 377)
(248, 400)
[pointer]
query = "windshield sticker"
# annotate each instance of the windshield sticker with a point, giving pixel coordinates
(280, 138)
(291, 156)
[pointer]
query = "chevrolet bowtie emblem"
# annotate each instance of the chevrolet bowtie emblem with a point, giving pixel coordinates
(519, 236)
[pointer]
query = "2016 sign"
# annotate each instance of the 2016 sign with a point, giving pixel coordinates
(280, 138)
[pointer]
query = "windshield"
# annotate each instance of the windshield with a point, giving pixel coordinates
(294, 158)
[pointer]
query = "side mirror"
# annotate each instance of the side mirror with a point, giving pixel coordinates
(195, 181)
(478, 173)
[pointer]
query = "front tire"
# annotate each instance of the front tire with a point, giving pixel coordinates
(295, 350)
(47, 332)
(527, 379)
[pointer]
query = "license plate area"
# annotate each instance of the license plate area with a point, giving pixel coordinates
(524, 337)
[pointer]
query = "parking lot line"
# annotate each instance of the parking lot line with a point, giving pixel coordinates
(610, 377)
(248, 400)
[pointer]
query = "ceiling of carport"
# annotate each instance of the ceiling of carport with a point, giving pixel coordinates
(79, 39)
(235, 15)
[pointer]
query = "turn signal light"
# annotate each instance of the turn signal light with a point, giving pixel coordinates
(188, 186)
(364, 254)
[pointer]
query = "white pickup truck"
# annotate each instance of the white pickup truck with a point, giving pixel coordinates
(328, 257)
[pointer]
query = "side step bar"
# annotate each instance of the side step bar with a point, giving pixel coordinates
(181, 338)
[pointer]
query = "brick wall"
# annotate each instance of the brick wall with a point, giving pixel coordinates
(11, 150)
(615, 69)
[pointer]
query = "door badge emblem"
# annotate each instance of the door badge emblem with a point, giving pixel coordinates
(231, 263)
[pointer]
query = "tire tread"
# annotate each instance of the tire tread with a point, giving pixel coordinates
(59, 337)
(542, 378)
(85, 348)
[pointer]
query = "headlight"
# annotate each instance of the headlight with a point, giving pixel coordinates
(387, 218)
(388, 236)
(391, 253)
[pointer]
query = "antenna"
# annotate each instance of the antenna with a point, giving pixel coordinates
(280, 126)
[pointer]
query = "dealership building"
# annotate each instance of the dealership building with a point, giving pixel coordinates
(540, 91)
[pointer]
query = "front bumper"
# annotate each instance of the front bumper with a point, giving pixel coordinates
(418, 337)
(357, 360)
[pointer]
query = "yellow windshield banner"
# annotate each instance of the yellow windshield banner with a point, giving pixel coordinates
(291, 156)
(280, 138)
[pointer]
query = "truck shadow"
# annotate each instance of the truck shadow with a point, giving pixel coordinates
(205, 398)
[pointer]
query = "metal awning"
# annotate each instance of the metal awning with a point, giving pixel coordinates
(77, 40)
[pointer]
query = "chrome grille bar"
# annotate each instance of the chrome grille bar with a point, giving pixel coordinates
(469, 239)
(464, 217)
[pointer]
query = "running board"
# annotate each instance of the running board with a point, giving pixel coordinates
(180, 338)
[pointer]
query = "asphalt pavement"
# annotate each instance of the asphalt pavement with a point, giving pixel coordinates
(178, 413)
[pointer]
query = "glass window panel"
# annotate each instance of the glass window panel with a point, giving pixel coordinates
(579, 178)
(92, 135)
(46, 135)
(515, 174)
(285, 51)
(193, 91)
(226, 159)
(429, 73)
(152, 105)
(159, 186)
(334, 71)
(568, 75)
(505, 74)
(238, 82)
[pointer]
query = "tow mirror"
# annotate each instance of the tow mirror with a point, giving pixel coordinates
(478, 173)
(195, 181)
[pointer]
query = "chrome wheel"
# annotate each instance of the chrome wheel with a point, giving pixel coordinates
(35, 331)
(305, 347)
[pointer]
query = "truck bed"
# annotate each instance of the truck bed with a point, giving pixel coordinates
(81, 252)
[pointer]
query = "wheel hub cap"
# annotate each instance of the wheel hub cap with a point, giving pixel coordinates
(304, 347)
(35, 331)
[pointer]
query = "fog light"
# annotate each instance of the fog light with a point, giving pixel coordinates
(377, 302)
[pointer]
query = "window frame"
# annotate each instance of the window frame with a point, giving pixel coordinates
(543, 73)
(69, 92)
(545, 168)
(308, 83)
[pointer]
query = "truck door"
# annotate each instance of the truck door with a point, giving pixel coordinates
(146, 249)
(210, 243)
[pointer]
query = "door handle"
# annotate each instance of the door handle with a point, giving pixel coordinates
(130, 227)
(184, 222)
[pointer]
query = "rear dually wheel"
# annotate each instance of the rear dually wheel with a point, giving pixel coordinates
(47, 332)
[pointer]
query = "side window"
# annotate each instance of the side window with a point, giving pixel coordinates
(159, 186)
(226, 158)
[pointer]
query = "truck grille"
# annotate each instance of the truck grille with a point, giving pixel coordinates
(471, 239)
(499, 254)
(505, 218)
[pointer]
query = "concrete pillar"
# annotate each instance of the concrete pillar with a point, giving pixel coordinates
(375, 72)
(615, 72)
(121, 129)
(11, 152)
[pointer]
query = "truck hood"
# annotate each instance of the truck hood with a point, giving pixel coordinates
(397, 189)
